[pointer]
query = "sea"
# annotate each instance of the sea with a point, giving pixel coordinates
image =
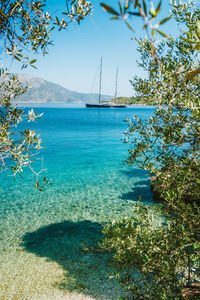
(45, 235)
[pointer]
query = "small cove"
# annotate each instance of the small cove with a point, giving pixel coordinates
(42, 233)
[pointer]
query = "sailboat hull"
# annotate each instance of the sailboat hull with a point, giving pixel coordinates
(105, 105)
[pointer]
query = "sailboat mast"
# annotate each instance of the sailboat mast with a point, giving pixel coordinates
(100, 81)
(116, 86)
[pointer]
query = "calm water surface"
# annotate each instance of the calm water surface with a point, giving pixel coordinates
(83, 155)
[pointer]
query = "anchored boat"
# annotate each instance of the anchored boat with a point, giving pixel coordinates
(106, 105)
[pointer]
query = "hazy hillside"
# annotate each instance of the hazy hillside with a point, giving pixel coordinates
(42, 91)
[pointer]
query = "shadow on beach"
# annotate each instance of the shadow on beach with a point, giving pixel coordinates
(84, 271)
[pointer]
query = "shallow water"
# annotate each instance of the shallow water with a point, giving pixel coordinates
(42, 232)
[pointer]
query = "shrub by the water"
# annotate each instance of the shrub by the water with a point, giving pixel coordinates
(158, 260)
(153, 258)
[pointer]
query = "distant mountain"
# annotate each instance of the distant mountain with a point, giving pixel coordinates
(43, 91)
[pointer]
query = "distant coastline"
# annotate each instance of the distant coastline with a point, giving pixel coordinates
(43, 93)
(135, 100)
(71, 105)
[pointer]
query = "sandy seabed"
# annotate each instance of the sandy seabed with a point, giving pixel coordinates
(84, 276)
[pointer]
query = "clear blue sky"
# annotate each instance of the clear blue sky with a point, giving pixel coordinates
(73, 60)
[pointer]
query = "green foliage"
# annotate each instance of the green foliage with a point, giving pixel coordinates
(17, 147)
(187, 18)
(137, 8)
(174, 178)
(135, 100)
(190, 34)
(26, 24)
(168, 143)
(157, 261)
(122, 100)
(153, 258)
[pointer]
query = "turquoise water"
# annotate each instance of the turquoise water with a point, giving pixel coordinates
(83, 154)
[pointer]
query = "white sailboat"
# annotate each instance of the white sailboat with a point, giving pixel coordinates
(106, 105)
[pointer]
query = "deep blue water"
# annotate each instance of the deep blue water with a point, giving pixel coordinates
(83, 153)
